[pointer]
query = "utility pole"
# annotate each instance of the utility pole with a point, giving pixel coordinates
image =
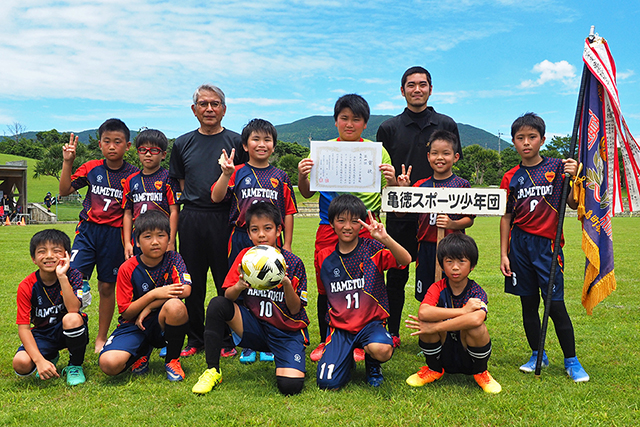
(499, 135)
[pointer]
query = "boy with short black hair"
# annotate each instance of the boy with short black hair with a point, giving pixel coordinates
(351, 114)
(98, 240)
(352, 273)
(149, 292)
(256, 180)
(271, 320)
(450, 323)
(150, 189)
(527, 235)
(50, 299)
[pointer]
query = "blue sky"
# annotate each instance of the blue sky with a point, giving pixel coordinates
(72, 64)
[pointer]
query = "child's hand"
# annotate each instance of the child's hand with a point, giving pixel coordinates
(128, 250)
(47, 370)
(570, 166)
(169, 291)
(286, 282)
(389, 173)
(69, 150)
(404, 179)
(304, 167)
(474, 304)
(63, 265)
(376, 229)
(241, 284)
(443, 221)
(505, 265)
(420, 326)
(140, 319)
(226, 162)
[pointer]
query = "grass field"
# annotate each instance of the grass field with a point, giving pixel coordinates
(607, 345)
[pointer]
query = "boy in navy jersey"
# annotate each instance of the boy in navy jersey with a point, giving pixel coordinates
(149, 292)
(98, 239)
(271, 320)
(352, 273)
(149, 189)
(254, 181)
(450, 322)
(527, 234)
(50, 300)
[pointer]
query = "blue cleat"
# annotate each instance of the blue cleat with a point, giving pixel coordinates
(247, 356)
(265, 356)
(575, 370)
(530, 366)
(374, 374)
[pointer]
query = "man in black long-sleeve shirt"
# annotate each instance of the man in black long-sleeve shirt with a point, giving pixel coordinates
(405, 137)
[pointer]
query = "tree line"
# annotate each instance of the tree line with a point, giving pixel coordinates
(480, 166)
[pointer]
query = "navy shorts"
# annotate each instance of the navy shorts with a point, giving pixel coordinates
(287, 346)
(238, 240)
(97, 244)
(51, 340)
(334, 368)
(530, 257)
(455, 358)
(425, 268)
(128, 337)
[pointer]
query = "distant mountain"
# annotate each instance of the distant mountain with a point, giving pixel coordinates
(322, 128)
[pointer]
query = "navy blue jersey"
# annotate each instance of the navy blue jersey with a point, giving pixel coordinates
(150, 192)
(136, 279)
(354, 282)
(103, 202)
(42, 305)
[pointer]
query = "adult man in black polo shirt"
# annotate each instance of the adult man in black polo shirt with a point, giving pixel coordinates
(203, 226)
(405, 137)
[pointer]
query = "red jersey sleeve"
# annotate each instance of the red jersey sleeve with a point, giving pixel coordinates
(233, 276)
(124, 288)
(23, 300)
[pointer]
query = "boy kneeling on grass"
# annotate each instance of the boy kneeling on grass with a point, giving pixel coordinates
(450, 323)
(271, 320)
(50, 299)
(149, 291)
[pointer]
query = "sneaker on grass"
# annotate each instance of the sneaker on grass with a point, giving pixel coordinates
(358, 354)
(228, 352)
(530, 366)
(424, 376)
(316, 354)
(207, 381)
(190, 351)
(75, 375)
(374, 374)
(266, 356)
(575, 370)
(488, 384)
(140, 366)
(174, 370)
(247, 355)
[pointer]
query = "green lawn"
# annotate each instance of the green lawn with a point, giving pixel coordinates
(607, 345)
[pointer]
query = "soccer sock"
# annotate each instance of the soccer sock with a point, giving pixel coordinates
(564, 328)
(219, 312)
(480, 357)
(531, 319)
(76, 340)
(174, 337)
(289, 386)
(396, 281)
(322, 316)
(431, 351)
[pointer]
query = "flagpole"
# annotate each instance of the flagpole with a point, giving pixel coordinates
(561, 214)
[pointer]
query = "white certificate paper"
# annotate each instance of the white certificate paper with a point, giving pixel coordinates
(345, 166)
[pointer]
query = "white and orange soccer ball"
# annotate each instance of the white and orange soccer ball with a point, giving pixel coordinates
(263, 267)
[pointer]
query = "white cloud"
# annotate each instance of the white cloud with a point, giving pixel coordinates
(263, 102)
(622, 75)
(560, 71)
(388, 106)
(449, 97)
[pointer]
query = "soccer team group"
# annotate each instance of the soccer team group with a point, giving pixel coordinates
(233, 199)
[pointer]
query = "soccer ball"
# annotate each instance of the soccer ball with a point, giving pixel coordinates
(263, 267)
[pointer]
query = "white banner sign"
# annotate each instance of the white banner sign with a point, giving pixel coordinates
(464, 201)
(345, 166)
